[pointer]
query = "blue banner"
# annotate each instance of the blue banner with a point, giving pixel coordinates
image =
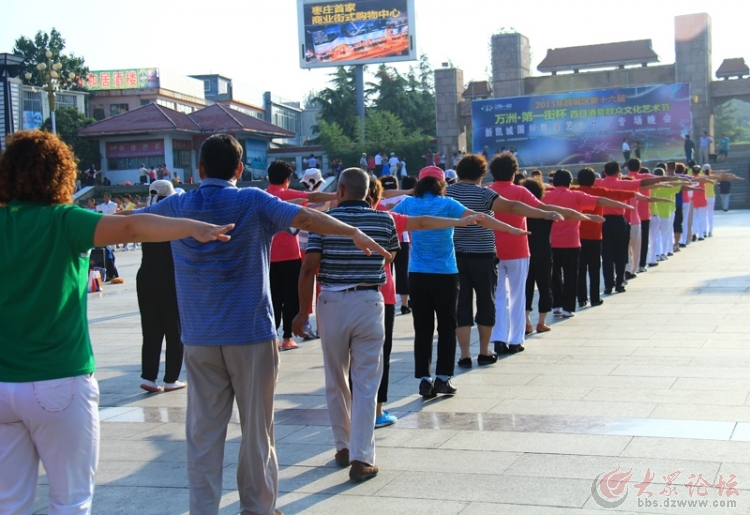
(585, 126)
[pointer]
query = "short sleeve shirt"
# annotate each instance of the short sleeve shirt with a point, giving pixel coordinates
(389, 288)
(223, 288)
(432, 251)
(613, 183)
(285, 246)
(510, 246)
(565, 234)
(107, 208)
(473, 239)
(593, 230)
(44, 266)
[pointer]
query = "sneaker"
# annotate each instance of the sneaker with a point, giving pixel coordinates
(177, 385)
(557, 311)
(567, 314)
(289, 345)
(483, 359)
(386, 419)
(425, 389)
(444, 387)
(342, 458)
(151, 386)
(514, 349)
(309, 333)
(362, 471)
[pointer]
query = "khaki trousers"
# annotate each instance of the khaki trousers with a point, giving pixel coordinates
(217, 375)
(352, 332)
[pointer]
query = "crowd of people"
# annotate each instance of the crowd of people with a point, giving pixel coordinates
(466, 257)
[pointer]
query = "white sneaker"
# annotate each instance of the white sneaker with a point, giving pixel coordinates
(151, 386)
(177, 385)
(567, 314)
(557, 311)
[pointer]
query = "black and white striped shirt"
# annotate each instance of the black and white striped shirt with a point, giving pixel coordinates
(342, 264)
(473, 239)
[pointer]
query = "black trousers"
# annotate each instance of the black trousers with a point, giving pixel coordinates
(284, 278)
(590, 263)
(645, 228)
(540, 272)
(401, 265)
(160, 319)
(431, 295)
(390, 318)
(615, 241)
(477, 273)
(565, 268)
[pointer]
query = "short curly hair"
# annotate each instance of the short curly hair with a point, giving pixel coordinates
(38, 167)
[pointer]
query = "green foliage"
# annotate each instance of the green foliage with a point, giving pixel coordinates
(731, 119)
(338, 103)
(333, 139)
(68, 120)
(34, 51)
(383, 129)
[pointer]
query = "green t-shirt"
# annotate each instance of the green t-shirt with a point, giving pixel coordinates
(664, 209)
(44, 265)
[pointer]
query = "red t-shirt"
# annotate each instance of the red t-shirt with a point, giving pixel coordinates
(565, 234)
(509, 246)
(593, 230)
(633, 216)
(388, 290)
(371, 163)
(644, 208)
(152, 174)
(285, 246)
(613, 183)
(699, 197)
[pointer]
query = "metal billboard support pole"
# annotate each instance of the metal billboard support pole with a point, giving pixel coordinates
(360, 89)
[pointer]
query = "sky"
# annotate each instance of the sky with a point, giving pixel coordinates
(256, 41)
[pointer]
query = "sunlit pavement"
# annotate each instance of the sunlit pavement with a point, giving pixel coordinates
(655, 382)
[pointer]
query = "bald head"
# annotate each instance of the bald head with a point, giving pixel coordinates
(353, 184)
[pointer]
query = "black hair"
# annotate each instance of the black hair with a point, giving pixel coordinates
(634, 164)
(408, 182)
(389, 182)
(562, 178)
(518, 178)
(645, 170)
(659, 171)
(220, 155)
(279, 172)
(612, 168)
(535, 187)
(586, 177)
(430, 185)
(663, 166)
(503, 167)
(471, 167)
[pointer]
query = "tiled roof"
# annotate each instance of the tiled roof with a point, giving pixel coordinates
(148, 118)
(733, 68)
(477, 89)
(597, 56)
(218, 118)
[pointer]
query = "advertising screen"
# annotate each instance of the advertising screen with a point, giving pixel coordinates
(355, 32)
(585, 126)
(136, 78)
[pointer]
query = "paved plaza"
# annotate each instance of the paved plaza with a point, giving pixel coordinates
(655, 381)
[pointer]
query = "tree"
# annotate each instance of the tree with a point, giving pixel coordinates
(338, 103)
(383, 130)
(34, 52)
(333, 139)
(726, 118)
(68, 121)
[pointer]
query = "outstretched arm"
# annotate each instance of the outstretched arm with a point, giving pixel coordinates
(490, 222)
(313, 221)
(421, 223)
(502, 205)
(605, 202)
(113, 229)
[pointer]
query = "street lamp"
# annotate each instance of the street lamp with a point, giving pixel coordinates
(53, 79)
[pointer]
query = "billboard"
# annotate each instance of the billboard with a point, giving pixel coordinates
(355, 32)
(134, 78)
(585, 126)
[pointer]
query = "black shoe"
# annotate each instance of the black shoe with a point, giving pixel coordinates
(620, 289)
(701, 239)
(597, 302)
(465, 363)
(426, 389)
(583, 303)
(608, 291)
(630, 275)
(405, 310)
(682, 245)
(444, 387)
(514, 349)
(486, 360)
(695, 238)
(500, 348)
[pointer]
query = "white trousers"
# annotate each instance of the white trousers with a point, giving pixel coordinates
(510, 301)
(654, 240)
(352, 333)
(665, 235)
(699, 221)
(56, 421)
(710, 214)
(634, 250)
(685, 238)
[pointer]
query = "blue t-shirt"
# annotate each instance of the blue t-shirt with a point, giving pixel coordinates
(223, 289)
(432, 251)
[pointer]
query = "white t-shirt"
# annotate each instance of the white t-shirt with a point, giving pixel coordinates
(107, 208)
(625, 146)
(403, 168)
(393, 162)
(378, 160)
(312, 162)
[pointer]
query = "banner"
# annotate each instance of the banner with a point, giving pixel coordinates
(355, 32)
(585, 126)
(139, 78)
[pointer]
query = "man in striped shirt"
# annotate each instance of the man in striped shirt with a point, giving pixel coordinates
(350, 320)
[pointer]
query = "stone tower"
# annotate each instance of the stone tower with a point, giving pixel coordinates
(511, 63)
(449, 88)
(692, 43)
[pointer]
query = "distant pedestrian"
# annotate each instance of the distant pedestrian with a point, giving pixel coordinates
(625, 150)
(705, 148)
(689, 149)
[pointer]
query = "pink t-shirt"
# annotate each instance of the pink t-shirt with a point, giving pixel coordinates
(388, 290)
(285, 246)
(613, 183)
(566, 234)
(644, 208)
(633, 216)
(509, 246)
(699, 197)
